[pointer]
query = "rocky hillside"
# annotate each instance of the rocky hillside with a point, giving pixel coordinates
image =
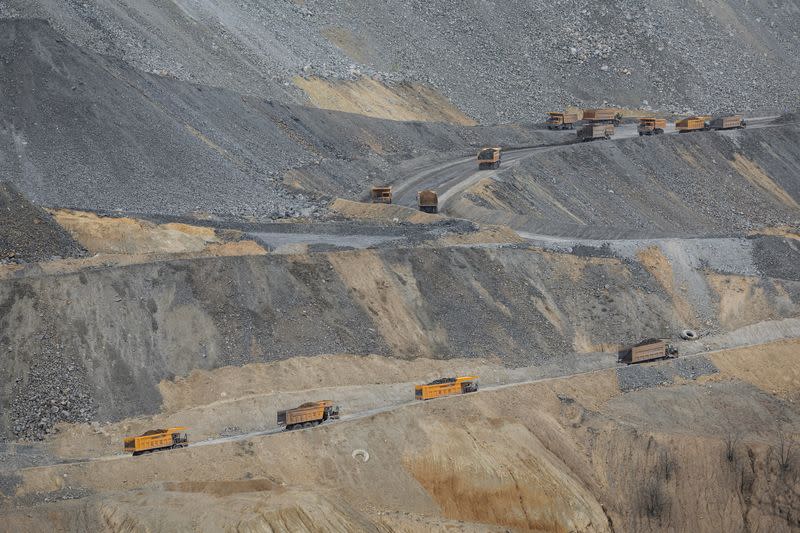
(497, 61)
(671, 185)
(82, 130)
(534, 308)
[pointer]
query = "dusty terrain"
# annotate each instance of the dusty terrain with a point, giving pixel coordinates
(477, 463)
(185, 241)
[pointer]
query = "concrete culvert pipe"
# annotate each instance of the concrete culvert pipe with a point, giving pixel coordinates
(363, 454)
(688, 335)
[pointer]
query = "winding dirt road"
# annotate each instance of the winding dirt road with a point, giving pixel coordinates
(452, 177)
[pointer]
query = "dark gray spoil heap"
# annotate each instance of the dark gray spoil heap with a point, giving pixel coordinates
(28, 233)
(497, 61)
(82, 130)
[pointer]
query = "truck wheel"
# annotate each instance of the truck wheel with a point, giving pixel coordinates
(363, 454)
(689, 335)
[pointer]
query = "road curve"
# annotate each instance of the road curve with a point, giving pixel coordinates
(452, 177)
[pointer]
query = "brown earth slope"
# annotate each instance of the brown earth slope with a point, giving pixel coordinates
(572, 454)
(120, 331)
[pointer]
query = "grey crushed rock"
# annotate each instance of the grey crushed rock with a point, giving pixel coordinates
(150, 144)
(644, 376)
(497, 61)
(28, 233)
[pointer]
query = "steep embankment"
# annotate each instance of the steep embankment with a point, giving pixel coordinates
(119, 331)
(590, 457)
(692, 184)
(494, 61)
(82, 130)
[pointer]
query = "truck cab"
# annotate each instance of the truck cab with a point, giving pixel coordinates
(651, 126)
(381, 194)
(561, 121)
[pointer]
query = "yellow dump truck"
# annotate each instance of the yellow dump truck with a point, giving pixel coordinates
(446, 387)
(489, 158)
(698, 123)
(561, 121)
(649, 350)
(428, 201)
(652, 126)
(727, 123)
(602, 116)
(156, 439)
(381, 195)
(594, 132)
(309, 414)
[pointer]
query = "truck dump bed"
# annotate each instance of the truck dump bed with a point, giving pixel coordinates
(446, 387)
(691, 124)
(727, 123)
(428, 201)
(600, 115)
(308, 414)
(591, 132)
(649, 350)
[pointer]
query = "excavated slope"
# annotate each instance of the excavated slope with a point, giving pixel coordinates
(705, 183)
(495, 61)
(82, 130)
(119, 331)
(578, 454)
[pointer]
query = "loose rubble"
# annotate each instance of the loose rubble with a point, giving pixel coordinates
(55, 389)
(500, 62)
(635, 377)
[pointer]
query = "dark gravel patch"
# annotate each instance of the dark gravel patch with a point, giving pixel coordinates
(9, 484)
(645, 376)
(28, 233)
(777, 257)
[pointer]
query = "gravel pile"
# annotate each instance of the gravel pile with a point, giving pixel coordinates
(28, 233)
(635, 377)
(55, 389)
(497, 61)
